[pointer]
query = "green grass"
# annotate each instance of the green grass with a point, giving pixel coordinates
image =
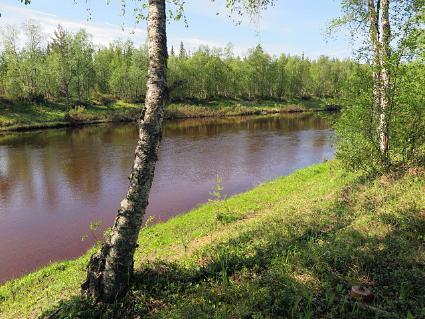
(290, 248)
(26, 115)
(233, 107)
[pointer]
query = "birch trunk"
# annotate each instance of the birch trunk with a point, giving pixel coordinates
(385, 87)
(374, 37)
(110, 270)
(380, 34)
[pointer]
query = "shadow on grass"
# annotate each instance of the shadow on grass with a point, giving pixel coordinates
(295, 270)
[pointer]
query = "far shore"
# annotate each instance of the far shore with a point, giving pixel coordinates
(25, 116)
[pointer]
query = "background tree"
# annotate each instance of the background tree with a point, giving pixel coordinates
(72, 70)
(182, 51)
(370, 131)
(11, 72)
(60, 62)
(120, 67)
(82, 65)
(32, 58)
(102, 66)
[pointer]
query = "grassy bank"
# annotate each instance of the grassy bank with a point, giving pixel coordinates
(16, 116)
(288, 248)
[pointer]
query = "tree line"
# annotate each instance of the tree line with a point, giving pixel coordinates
(70, 68)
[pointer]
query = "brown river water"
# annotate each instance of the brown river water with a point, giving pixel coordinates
(53, 183)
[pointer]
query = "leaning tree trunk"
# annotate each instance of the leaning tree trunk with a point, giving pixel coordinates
(110, 270)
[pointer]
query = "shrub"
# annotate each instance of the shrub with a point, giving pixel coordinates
(76, 115)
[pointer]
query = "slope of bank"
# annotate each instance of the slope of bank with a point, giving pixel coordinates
(290, 248)
(25, 116)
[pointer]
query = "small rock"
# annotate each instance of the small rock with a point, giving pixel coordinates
(361, 293)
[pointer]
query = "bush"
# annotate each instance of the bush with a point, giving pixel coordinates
(76, 115)
(408, 118)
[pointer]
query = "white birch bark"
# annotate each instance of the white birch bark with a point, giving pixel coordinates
(110, 270)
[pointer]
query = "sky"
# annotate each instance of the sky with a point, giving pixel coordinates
(290, 26)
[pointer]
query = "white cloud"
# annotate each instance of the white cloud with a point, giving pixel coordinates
(194, 43)
(102, 33)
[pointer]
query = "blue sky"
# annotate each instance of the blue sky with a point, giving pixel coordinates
(291, 26)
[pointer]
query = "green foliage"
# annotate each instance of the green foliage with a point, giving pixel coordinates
(402, 118)
(127, 71)
(223, 214)
(408, 119)
(211, 73)
(356, 128)
(61, 70)
(68, 69)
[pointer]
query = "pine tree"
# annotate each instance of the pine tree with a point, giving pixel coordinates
(182, 52)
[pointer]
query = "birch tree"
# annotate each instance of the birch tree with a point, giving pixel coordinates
(110, 270)
(380, 35)
(385, 27)
(61, 62)
(32, 60)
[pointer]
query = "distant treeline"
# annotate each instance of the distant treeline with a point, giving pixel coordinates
(69, 67)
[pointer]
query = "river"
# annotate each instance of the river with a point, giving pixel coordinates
(53, 183)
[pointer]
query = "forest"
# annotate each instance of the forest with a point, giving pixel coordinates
(69, 68)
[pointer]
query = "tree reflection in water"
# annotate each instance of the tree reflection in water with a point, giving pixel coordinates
(54, 182)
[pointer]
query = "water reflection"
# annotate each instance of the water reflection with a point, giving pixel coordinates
(53, 183)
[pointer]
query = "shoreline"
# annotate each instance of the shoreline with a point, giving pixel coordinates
(298, 220)
(74, 268)
(58, 125)
(174, 111)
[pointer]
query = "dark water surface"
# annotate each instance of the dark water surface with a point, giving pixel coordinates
(53, 183)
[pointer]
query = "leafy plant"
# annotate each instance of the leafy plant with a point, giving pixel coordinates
(93, 227)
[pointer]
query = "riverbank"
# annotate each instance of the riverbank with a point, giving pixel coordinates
(288, 248)
(29, 116)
